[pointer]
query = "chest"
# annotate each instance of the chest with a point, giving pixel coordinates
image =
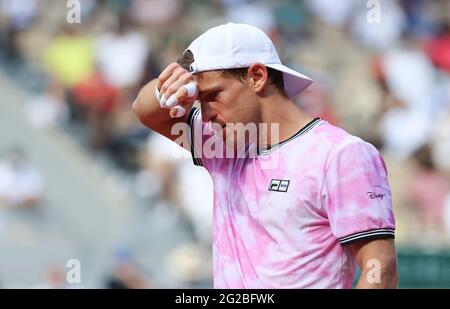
(283, 195)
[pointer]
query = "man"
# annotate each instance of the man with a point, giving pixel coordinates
(300, 223)
(21, 185)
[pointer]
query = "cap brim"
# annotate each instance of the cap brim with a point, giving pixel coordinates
(294, 82)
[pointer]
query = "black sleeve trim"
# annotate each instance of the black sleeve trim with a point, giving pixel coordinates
(191, 118)
(371, 234)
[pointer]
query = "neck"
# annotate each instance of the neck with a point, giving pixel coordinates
(281, 113)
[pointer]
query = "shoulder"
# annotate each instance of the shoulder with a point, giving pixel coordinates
(337, 140)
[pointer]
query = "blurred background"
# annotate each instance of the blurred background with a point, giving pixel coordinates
(81, 178)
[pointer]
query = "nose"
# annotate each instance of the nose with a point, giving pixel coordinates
(208, 113)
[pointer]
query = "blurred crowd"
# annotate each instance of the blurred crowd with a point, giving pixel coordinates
(381, 71)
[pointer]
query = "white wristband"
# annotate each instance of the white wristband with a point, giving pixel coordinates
(157, 94)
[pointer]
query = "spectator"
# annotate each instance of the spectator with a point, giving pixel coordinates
(54, 278)
(422, 16)
(196, 200)
(175, 170)
(48, 110)
(406, 125)
(429, 189)
(381, 35)
(19, 15)
(256, 13)
(157, 13)
(188, 263)
(333, 13)
(70, 57)
(440, 141)
(21, 185)
(113, 53)
(126, 274)
(446, 217)
(95, 100)
(438, 48)
(316, 100)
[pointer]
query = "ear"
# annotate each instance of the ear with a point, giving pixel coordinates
(258, 76)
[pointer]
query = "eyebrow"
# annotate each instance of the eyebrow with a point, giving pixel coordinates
(203, 92)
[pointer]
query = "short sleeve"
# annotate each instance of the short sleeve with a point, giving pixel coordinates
(356, 194)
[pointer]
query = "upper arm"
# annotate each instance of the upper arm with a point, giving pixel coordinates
(381, 249)
(357, 196)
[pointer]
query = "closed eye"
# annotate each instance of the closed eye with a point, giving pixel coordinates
(210, 96)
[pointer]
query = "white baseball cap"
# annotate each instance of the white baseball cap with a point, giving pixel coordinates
(233, 46)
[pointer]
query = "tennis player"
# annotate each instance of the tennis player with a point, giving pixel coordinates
(307, 221)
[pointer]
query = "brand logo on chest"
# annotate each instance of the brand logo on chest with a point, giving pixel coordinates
(279, 185)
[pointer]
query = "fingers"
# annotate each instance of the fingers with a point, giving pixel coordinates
(182, 80)
(176, 86)
(192, 89)
(186, 93)
(171, 79)
(167, 73)
(177, 112)
(176, 74)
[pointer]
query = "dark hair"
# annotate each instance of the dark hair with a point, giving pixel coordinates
(275, 76)
(186, 59)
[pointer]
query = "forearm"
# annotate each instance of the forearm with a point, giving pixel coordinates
(147, 107)
(372, 279)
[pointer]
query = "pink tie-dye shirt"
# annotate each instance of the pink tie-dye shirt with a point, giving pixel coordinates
(287, 224)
